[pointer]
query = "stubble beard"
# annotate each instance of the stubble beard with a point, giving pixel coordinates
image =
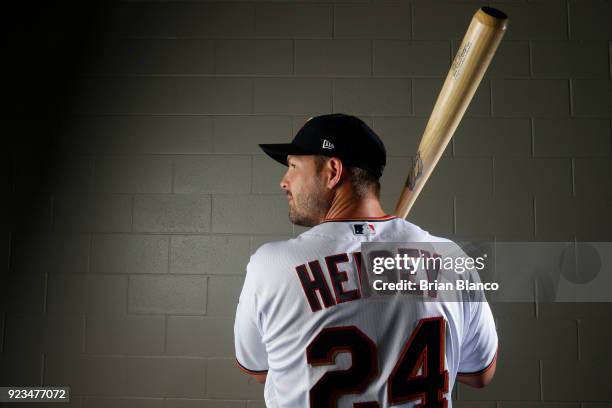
(309, 207)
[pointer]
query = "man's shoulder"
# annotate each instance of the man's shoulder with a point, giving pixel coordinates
(409, 233)
(272, 249)
(406, 230)
(274, 253)
(279, 254)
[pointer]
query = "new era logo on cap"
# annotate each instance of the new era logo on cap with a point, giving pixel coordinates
(353, 142)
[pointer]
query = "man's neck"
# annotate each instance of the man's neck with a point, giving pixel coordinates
(345, 205)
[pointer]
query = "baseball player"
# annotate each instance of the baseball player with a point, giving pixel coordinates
(311, 327)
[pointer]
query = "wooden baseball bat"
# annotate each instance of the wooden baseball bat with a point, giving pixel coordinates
(473, 57)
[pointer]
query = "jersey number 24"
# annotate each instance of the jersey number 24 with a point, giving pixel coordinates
(423, 352)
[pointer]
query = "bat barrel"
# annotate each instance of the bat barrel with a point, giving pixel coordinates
(495, 13)
(492, 17)
(471, 61)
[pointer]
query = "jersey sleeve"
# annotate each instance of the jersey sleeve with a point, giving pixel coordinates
(479, 346)
(251, 354)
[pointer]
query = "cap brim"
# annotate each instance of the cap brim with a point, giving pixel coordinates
(280, 151)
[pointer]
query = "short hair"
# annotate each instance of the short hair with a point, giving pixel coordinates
(363, 182)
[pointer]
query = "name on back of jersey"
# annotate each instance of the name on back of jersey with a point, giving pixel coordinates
(343, 278)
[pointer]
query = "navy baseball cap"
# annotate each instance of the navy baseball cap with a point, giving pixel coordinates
(335, 135)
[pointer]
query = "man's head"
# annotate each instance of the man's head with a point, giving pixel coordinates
(331, 156)
(311, 183)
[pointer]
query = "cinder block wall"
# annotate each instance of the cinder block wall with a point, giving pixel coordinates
(123, 274)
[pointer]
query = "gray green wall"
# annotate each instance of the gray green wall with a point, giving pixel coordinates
(138, 213)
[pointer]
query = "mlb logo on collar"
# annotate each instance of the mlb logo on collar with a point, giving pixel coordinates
(363, 229)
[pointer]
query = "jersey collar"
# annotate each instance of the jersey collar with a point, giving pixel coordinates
(373, 219)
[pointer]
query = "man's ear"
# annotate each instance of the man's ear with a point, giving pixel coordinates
(335, 169)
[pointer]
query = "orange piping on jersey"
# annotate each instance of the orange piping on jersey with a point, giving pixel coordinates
(480, 372)
(381, 218)
(250, 372)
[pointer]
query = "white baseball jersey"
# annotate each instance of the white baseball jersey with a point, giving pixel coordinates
(309, 318)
